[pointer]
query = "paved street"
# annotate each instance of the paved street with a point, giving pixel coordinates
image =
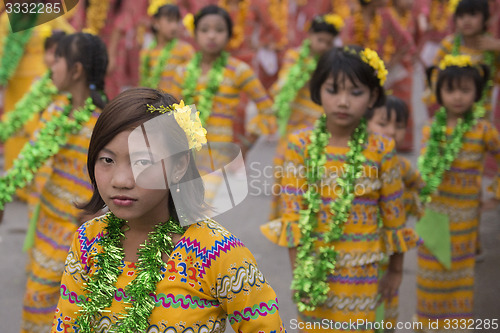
(244, 221)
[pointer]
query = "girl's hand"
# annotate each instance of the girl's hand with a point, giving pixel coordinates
(389, 285)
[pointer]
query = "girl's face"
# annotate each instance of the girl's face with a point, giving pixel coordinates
(60, 74)
(117, 187)
(460, 97)
(211, 34)
(380, 124)
(167, 27)
(470, 24)
(345, 102)
(321, 42)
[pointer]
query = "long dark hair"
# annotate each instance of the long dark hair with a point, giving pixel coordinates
(127, 111)
(90, 51)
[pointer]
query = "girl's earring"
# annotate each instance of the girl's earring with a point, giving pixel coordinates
(178, 189)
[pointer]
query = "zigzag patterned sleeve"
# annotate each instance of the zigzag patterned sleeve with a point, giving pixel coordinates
(249, 301)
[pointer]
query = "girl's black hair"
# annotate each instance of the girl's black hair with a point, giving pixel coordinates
(474, 7)
(396, 105)
(170, 10)
(345, 61)
(90, 51)
(364, 2)
(214, 10)
(318, 24)
(452, 76)
(54, 39)
(128, 111)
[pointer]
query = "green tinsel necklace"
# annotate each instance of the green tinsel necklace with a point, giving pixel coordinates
(150, 77)
(35, 100)
(441, 152)
(215, 77)
(50, 139)
(312, 269)
(296, 78)
(101, 286)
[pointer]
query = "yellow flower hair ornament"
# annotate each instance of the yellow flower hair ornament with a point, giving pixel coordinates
(371, 58)
(188, 22)
(154, 5)
(450, 60)
(45, 31)
(333, 19)
(190, 124)
(452, 6)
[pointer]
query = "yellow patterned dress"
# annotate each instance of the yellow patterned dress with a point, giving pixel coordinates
(238, 78)
(449, 294)
(304, 113)
(353, 285)
(180, 54)
(210, 279)
(68, 184)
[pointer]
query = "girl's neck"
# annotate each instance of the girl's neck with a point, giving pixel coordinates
(208, 59)
(79, 93)
(340, 136)
(161, 41)
(452, 119)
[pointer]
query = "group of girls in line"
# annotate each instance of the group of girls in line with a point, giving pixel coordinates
(133, 267)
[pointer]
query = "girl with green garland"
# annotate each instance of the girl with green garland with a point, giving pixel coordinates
(79, 68)
(452, 165)
(292, 100)
(342, 198)
(214, 81)
(166, 52)
(136, 269)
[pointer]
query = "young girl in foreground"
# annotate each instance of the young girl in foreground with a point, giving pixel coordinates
(338, 181)
(136, 269)
(451, 165)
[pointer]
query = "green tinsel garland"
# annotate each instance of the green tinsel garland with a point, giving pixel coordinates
(48, 142)
(13, 50)
(296, 78)
(101, 286)
(441, 152)
(150, 77)
(36, 100)
(311, 269)
(215, 77)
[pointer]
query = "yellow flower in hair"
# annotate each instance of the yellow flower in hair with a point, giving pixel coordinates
(195, 133)
(188, 22)
(154, 5)
(45, 31)
(449, 60)
(452, 6)
(335, 20)
(371, 58)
